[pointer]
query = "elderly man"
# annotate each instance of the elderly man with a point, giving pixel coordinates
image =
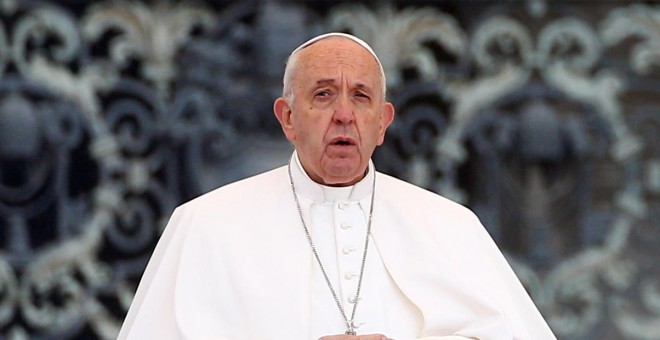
(327, 247)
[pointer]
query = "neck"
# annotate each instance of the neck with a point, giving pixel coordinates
(329, 181)
(321, 192)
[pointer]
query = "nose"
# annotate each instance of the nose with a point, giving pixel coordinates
(343, 113)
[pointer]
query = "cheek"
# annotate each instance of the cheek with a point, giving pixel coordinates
(315, 124)
(307, 132)
(370, 126)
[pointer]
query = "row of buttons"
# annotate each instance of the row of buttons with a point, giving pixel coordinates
(349, 250)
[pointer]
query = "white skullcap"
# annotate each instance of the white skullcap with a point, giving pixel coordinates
(348, 36)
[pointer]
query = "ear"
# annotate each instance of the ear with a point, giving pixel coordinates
(283, 113)
(386, 118)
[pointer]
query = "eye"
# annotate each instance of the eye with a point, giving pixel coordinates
(322, 93)
(362, 95)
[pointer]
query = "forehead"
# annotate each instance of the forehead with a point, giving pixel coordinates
(338, 57)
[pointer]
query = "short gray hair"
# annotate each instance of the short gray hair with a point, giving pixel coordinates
(287, 93)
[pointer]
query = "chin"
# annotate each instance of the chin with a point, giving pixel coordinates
(342, 172)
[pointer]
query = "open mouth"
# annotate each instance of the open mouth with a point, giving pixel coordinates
(342, 142)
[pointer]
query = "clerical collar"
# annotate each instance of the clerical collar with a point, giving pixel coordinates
(307, 188)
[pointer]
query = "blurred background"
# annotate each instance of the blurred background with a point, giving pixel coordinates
(542, 116)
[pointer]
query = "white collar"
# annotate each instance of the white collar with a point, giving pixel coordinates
(307, 188)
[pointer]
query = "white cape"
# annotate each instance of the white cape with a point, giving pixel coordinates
(234, 264)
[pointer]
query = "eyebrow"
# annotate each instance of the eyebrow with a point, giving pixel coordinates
(360, 86)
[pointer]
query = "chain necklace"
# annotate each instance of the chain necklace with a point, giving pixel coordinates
(350, 324)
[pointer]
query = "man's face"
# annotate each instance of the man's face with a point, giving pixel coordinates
(338, 115)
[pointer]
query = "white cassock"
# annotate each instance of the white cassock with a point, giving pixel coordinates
(235, 264)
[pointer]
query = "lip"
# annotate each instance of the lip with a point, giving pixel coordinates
(342, 141)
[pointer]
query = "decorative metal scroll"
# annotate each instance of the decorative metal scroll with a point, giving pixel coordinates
(543, 117)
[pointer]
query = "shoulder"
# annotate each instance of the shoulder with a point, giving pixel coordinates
(252, 190)
(452, 227)
(422, 202)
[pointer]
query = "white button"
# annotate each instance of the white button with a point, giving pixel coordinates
(352, 299)
(358, 324)
(346, 225)
(343, 205)
(350, 275)
(349, 249)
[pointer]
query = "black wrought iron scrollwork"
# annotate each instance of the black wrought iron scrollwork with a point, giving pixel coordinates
(542, 118)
